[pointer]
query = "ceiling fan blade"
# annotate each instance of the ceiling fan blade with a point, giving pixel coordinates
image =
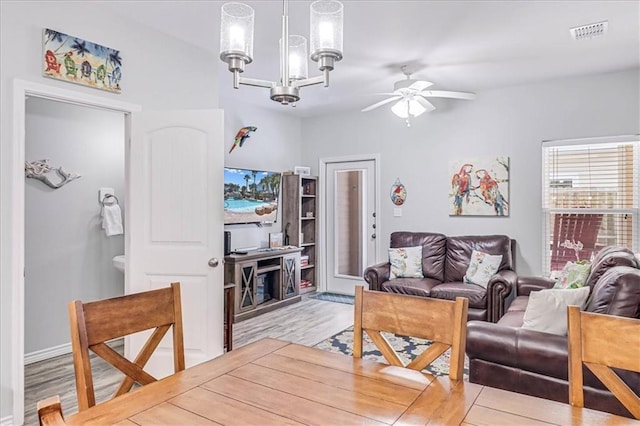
(420, 85)
(425, 103)
(448, 94)
(379, 104)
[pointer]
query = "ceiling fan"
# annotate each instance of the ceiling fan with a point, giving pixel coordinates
(410, 97)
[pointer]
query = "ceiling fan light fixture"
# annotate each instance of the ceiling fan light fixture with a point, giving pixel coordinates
(405, 108)
(400, 109)
(415, 109)
(410, 97)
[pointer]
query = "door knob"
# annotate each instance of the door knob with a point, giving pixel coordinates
(213, 262)
(373, 236)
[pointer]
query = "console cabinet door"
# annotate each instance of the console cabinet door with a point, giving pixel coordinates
(246, 288)
(290, 275)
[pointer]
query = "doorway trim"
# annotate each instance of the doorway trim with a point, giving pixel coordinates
(23, 89)
(323, 163)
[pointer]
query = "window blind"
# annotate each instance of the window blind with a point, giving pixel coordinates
(590, 198)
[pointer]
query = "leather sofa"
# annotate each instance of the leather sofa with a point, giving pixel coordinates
(444, 263)
(506, 356)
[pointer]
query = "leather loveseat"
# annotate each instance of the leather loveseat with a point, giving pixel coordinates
(506, 356)
(444, 263)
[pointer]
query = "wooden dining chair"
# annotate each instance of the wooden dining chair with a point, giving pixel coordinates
(50, 412)
(603, 342)
(95, 323)
(444, 322)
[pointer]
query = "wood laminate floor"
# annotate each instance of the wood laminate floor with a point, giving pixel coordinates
(307, 322)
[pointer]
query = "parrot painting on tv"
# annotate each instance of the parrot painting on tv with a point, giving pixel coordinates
(242, 136)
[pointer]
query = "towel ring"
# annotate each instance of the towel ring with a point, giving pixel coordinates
(106, 198)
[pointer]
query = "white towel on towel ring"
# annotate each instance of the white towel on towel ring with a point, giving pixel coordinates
(112, 219)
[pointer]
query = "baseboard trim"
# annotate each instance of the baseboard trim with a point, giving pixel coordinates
(47, 353)
(6, 421)
(55, 351)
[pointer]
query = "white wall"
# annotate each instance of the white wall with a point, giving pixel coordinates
(512, 121)
(275, 146)
(159, 72)
(67, 254)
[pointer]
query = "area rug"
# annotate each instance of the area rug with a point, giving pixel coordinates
(406, 347)
(333, 297)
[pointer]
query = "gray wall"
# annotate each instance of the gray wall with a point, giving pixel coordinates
(275, 146)
(148, 80)
(67, 254)
(511, 121)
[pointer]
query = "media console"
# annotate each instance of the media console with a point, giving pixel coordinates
(265, 279)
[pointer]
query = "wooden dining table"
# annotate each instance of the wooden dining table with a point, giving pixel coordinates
(273, 382)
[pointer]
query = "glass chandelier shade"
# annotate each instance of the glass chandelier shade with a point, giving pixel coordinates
(326, 27)
(408, 107)
(298, 64)
(236, 31)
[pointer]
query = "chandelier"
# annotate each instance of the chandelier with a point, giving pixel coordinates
(236, 48)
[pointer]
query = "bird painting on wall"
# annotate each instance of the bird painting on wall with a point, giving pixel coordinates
(242, 136)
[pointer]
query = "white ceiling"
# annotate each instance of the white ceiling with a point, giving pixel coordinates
(458, 45)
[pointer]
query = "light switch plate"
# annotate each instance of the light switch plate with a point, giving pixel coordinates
(397, 212)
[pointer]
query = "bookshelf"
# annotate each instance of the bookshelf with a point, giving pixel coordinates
(300, 224)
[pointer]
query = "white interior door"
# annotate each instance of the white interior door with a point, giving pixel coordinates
(350, 194)
(175, 225)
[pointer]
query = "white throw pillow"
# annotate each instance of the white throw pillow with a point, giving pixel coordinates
(547, 309)
(406, 262)
(481, 268)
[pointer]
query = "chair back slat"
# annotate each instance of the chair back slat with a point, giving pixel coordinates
(443, 322)
(603, 342)
(408, 315)
(596, 338)
(121, 316)
(95, 323)
(435, 350)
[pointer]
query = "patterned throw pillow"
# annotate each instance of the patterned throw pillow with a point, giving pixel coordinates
(406, 262)
(547, 309)
(573, 275)
(481, 268)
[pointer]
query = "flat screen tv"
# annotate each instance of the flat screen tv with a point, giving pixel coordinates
(250, 196)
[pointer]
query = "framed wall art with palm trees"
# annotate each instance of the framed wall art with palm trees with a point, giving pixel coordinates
(79, 61)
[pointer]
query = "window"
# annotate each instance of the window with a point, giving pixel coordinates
(590, 197)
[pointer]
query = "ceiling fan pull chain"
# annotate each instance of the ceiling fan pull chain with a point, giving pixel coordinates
(408, 112)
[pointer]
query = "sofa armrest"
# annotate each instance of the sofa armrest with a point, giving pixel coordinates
(525, 285)
(515, 347)
(377, 274)
(530, 351)
(500, 292)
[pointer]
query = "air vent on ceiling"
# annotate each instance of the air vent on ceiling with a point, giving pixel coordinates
(589, 31)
